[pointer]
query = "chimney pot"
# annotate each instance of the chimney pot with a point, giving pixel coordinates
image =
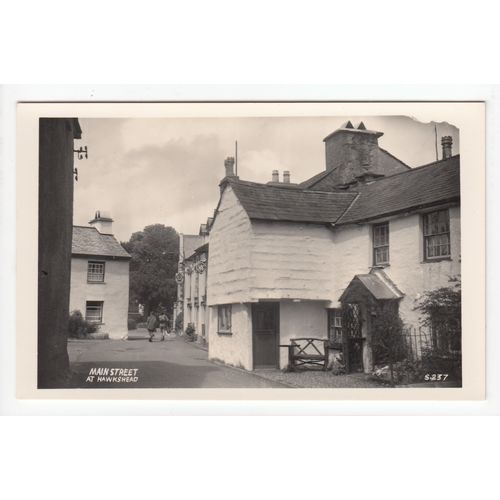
(275, 176)
(286, 176)
(447, 143)
(229, 165)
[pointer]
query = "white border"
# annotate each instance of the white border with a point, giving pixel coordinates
(401, 93)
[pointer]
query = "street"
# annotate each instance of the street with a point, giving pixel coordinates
(173, 363)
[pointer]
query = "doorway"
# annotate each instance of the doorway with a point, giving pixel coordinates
(265, 333)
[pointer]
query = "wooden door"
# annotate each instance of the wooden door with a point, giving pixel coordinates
(265, 326)
(353, 340)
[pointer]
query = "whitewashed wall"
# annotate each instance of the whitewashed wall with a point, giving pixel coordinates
(113, 292)
(407, 269)
(291, 261)
(234, 349)
(229, 278)
(303, 319)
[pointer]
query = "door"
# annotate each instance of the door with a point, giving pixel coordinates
(352, 337)
(265, 327)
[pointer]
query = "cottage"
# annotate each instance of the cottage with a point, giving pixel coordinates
(368, 235)
(100, 276)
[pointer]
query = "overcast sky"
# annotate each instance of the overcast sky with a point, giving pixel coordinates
(167, 170)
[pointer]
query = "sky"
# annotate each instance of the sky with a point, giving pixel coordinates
(167, 170)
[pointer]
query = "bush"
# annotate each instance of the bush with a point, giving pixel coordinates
(78, 327)
(132, 325)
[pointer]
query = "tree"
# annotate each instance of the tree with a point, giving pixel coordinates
(155, 253)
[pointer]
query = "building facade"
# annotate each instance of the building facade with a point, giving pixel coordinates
(100, 277)
(323, 258)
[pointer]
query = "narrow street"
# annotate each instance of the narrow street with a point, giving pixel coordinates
(169, 364)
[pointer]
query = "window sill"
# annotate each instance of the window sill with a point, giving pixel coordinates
(225, 333)
(381, 266)
(96, 282)
(438, 259)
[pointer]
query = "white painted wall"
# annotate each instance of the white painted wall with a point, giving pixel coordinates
(303, 319)
(113, 292)
(234, 349)
(407, 269)
(229, 278)
(291, 261)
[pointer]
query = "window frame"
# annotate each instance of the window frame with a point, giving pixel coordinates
(101, 305)
(376, 246)
(96, 262)
(220, 327)
(333, 314)
(427, 237)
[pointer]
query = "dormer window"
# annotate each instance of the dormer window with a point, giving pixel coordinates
(381, 244)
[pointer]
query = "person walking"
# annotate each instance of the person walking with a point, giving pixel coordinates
(151, 325)
(163, 319)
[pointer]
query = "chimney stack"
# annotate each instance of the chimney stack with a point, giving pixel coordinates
(446, 142)
(275, 176)
(229, 164)
(102, 222)
(286, 176)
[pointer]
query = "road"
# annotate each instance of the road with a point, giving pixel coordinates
(169, 364)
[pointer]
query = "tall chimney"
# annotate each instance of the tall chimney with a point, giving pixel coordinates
(102, 222)
(446, 142)
(286, 176)
(275, 176)
(351, 151)
(229, 164)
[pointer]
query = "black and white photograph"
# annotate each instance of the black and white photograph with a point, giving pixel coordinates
(250, 251)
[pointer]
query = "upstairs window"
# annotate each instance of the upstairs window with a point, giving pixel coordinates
(95, 272)
(381, 244)
(224, 319)
(436, 227)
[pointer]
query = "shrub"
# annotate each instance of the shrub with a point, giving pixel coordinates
(78, 327)
(132, 325)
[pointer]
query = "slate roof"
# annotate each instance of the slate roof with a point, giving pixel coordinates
(437, 182)
(190, 242)
(374, 284)
(267, 202)
(89, 241)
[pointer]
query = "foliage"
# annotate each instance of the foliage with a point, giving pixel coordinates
(155, 253)
(179, 321)
(442, 313)
(78, 327)
(132, 324)
(190, 329)
(388, 343)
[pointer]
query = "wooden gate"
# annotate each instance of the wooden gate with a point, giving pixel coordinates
(352, 337)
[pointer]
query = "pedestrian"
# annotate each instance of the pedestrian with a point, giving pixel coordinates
(163, 319)
(151, 325)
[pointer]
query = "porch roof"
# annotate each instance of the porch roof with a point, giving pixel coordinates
(381, 288)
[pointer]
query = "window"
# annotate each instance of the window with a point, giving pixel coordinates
(224, 319)
(381, 244)
(436, 226)
(93, 311)
(95, 272)
(335, 326)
